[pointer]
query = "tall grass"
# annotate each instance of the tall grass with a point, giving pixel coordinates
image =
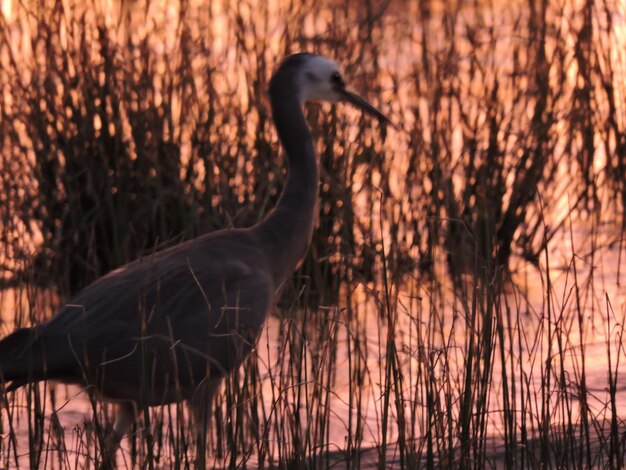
(461, 303)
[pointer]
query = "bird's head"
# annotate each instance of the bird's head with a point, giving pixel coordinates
(317, 78)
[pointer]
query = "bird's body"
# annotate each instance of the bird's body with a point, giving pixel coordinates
(184, 313)
(156, 330)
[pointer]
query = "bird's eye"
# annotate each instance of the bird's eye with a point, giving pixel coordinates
(336, 79)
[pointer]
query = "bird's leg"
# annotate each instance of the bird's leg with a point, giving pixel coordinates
(201, 407)
(124, 417)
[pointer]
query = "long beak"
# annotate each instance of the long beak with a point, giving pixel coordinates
(360, 103)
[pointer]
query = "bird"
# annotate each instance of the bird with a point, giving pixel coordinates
(170, 326)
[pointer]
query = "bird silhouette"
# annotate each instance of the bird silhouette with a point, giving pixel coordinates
(170, 326)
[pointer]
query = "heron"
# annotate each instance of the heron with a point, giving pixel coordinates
(170, 326)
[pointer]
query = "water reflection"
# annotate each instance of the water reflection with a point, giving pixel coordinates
(497, 210)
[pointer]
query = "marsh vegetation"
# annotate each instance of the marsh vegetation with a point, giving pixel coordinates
(462, 304)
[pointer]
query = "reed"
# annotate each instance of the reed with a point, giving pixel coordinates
(461, 304)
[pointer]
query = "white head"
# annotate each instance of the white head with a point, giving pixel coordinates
(316, 78)
(320, 79)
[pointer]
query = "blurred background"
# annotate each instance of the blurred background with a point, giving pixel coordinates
(465, 277)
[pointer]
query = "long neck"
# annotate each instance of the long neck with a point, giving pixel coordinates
(286, 231)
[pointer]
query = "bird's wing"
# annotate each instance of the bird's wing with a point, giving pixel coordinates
(192, 314)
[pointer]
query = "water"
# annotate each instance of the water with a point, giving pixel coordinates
(601, 336)
(493, 157)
